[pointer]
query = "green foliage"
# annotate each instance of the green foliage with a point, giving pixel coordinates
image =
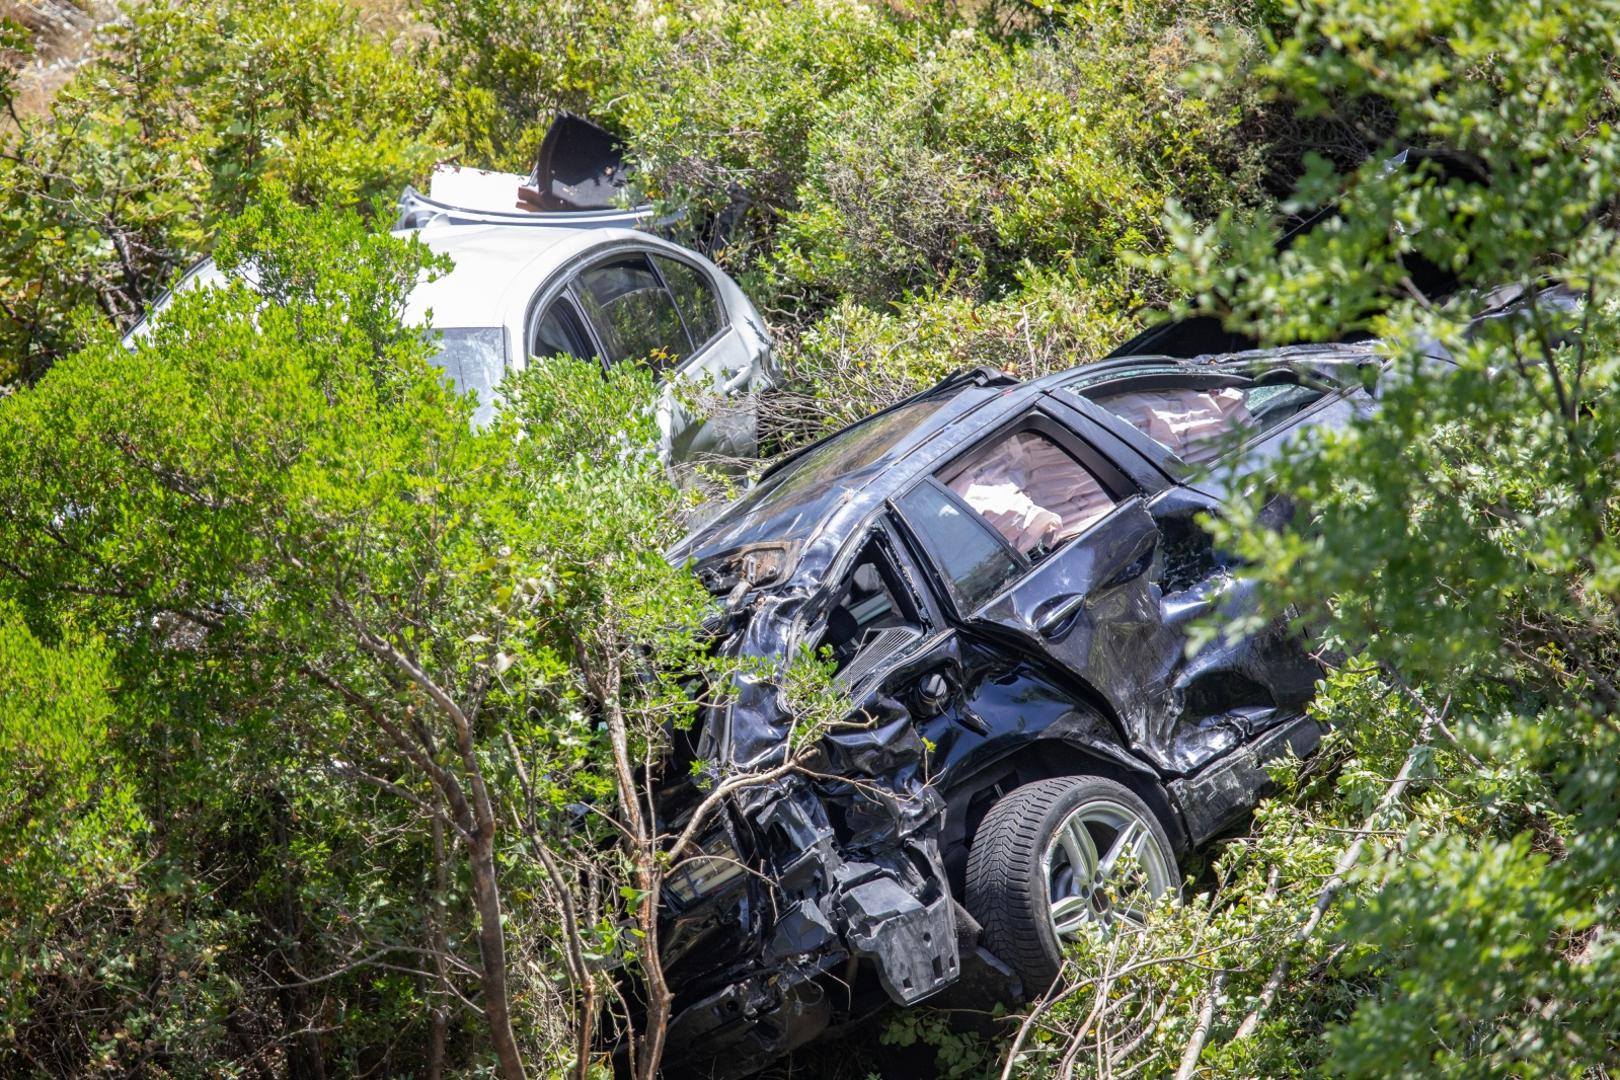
(1460, 541)
(957, 1054)
(16, 46)
(981, 158)
(309, 571)
(510, 64)
(718, 101)
(855, 359)
(68, 819)
(186, 110)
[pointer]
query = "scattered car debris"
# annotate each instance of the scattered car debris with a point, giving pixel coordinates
(1005, 575)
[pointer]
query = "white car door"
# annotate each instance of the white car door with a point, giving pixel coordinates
(668, 308)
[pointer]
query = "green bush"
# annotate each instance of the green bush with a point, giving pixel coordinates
(509, 65)
(367, 658)
(958, 170)
(855, 359)
(185, 111)
(719, 99)
(1436, 895)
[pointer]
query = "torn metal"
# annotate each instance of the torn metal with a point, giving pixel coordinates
(994, 628)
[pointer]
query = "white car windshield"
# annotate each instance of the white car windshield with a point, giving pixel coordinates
(475, 359)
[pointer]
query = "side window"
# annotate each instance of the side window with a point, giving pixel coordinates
(694, 295)
(1198, 424)
(560, 332)
(632, 312)
(1032, 491)
(968, 555)
(474, 357)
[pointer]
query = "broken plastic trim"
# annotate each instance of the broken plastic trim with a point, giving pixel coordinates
(580, 166)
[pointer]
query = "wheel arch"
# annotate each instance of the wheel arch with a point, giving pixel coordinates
(1062, 749)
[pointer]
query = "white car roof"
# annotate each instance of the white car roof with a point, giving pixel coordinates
(497, 269)
(494, 264)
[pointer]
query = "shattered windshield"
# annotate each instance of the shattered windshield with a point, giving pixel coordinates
(475, 359)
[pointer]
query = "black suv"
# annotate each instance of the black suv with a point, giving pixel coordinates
(1005, 574)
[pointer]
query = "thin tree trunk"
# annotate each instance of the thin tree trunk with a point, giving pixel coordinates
(492, 952)
(304, 1060)
(1200, 1034)
(573, 948)
(659, 997)
(474, 818)
(643, 835)
(438, 1013)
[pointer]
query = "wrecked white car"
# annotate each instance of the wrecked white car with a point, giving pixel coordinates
(547, 265)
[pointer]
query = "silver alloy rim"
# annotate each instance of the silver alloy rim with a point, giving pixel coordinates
(1104, 865)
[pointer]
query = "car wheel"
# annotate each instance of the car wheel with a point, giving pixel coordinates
(1060, 857)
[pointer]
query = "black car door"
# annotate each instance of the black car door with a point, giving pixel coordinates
(1042, 539)
(1047, 545)
(1220, 426)
(1093, 607)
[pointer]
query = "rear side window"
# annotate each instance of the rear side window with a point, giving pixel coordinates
(969, 556)
(1031, 491)
(1198, 424)
(634, 315)
(474, 357)
(694, 296)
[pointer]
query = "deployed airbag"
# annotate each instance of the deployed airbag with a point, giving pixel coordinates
(1189, 423)
(1032, 491)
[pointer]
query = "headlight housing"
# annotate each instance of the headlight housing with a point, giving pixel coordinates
(711, 871)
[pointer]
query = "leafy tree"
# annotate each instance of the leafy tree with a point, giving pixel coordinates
(980, 159)
(1436, 895)
(185, 110)
(68, 819)
(1481, 504)
(308, 564)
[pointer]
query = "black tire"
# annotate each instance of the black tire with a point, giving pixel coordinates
(1007, 886)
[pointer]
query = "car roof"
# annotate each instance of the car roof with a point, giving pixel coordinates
(493, 262)
(818, 495)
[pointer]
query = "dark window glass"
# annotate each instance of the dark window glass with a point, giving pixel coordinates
(635, 318)
(845, 457)
(793, 498)
(475, 359)
(694, 295)
(964, 548)
(560, 333)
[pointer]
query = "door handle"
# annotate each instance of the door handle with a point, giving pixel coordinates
(736, 380)
(1059, 613)
(1063, 607)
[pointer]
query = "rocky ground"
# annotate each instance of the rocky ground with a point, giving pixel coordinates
(64, 33)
